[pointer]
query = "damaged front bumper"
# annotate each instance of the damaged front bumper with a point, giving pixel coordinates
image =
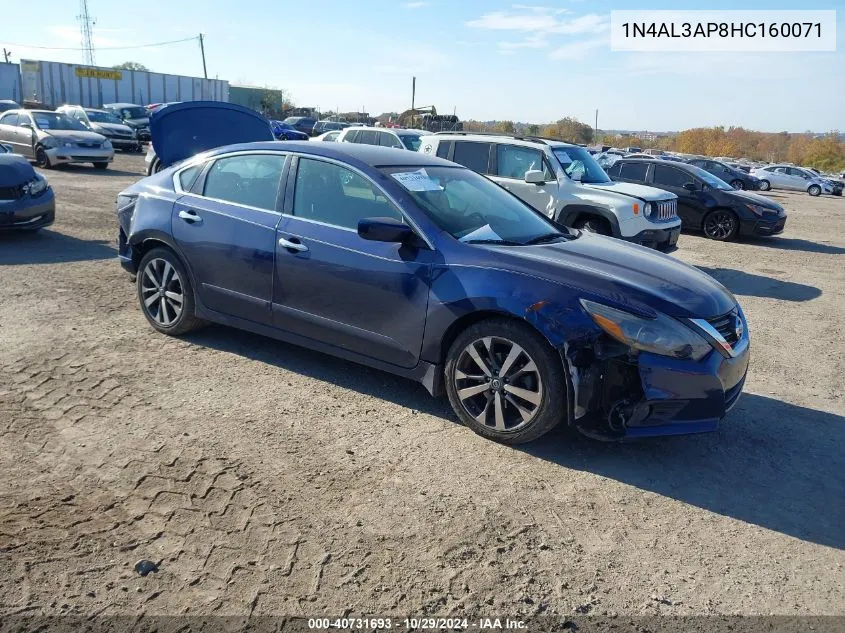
(621, 395)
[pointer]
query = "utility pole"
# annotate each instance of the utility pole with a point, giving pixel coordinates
(413, 92)
(597, 124)
(202, 50)
(6, 54)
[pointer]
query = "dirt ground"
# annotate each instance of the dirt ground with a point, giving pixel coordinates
(267, 479)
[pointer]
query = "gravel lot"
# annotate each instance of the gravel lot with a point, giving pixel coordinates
(268, 479)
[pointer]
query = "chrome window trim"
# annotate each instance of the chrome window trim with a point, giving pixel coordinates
(193, 162)
(407, 219)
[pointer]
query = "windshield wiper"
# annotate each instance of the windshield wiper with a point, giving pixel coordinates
(499, 242)
(548, 237)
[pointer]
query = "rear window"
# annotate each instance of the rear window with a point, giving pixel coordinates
(475, 156)
(634, 171)
(443, 149)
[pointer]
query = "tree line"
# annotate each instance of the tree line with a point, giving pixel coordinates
(826, 152)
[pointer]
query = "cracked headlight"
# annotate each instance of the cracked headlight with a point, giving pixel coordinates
(36, 186)
(49, 142)
(661, 335)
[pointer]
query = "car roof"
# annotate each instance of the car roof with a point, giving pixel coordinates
(527, 141)
(368, 155)
(122, 104)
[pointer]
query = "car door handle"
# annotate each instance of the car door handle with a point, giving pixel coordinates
(191, 217)
(294, 246)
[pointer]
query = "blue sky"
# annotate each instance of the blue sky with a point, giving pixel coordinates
(537, 61)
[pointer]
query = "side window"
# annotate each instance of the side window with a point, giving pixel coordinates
(250, 179)
(634, 171)
(351, 136)
(9, 119)
(548, 172)
(187, 177)
(386, 139)
(475, 156)
(367, 137)
(614, 169)
(670, 177)
(443, 149)
(780, 170)
(332, 194)
(513, 161)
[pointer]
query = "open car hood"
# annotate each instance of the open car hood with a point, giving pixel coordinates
(183, 129)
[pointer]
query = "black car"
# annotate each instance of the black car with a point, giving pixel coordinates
(27, 202)
(704, 201)
(301, 123)
(736, 178)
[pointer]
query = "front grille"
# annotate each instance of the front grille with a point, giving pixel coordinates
(667, 209)
(89, 145)
(726, 326)
(11, 193)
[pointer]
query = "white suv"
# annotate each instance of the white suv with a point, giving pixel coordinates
(566, 183)
(386, 137)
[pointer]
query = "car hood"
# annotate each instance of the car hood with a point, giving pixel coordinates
(142, 122)
(15, 170)
(76, 136)
(753, 198)
(641, 192)
(112, 127)
(183, 129)
(630, 276)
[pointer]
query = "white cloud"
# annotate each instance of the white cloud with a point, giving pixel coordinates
(534, 41)
(577, 50)
(541, 20)
(416, 5)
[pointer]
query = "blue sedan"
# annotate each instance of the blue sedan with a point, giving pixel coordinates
(286, 132)
(422, 268)
(27, 202)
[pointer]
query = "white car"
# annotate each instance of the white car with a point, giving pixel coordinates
(566, 183)
(330, 136)
(107, 123)
(791, 177)
(386, 137)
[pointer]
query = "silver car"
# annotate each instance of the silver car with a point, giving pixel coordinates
(108, 124)
(52, 138)
(791, 177)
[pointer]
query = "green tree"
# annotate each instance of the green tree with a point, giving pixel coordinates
(131, 66)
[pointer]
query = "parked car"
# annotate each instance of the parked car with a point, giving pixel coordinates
(321, 127)
(135, 116)
(414, 265)
(215, 131)
(397, 138)
(328, 136)
(52, 138)
(8, 104)
(734, 177)
(304, 124)
(152, 108)
(27, 202)
(284, 132)
(564, 182)
(108, 124)
(790, 177)
(705, 202)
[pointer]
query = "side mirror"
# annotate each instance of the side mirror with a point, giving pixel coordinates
(690, 186)
(535, 177)
(384, 230)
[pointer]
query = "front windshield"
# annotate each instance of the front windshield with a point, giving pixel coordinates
(472, 208)
(102, 117)
(57, 121)
(580, 165)
(135, 112)
(710, 179)
(411, 141)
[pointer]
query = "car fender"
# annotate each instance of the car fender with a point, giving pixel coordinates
(570, 212)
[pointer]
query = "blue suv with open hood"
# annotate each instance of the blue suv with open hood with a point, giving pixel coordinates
(420, 267)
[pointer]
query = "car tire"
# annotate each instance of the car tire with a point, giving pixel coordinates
(525, 377)
(738, 184)
(155, 167)
(101, 165)
(171, 310)
(721, 225)
(592, 224)
(814, 190)
(765, 185)
(41, 158)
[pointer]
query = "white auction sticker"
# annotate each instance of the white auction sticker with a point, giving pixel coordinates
(723, 31)
(416, 180)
